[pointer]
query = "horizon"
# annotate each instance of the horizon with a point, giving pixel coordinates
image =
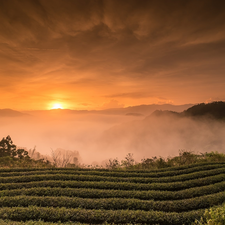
(102, 109)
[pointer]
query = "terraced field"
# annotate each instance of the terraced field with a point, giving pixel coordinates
(176, 195)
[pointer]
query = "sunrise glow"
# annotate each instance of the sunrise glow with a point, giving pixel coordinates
(57, 106)
(120, 59)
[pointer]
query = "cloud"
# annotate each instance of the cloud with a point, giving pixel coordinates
(112, 104)
(130, 95)
(214, 100)
(155, 47)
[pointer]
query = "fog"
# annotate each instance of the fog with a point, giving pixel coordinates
(50, 131)
(164, 136)
(98, 137)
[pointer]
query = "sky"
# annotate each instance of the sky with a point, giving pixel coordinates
(97, 54)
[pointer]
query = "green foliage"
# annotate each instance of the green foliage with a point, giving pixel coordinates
(170, 176)
(184, 158)
(177, 195)
(213, 157)
(39, 222)
(113, 164)
(97, 216)
(55, 181)
(129, 161)
(7, 148)
(115, 203)
(212, 216)
(63, 190)
(114, 177)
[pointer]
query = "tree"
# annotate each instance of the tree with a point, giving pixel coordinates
(129, 160)
(62, 157)
(8, 149)
(113, 164)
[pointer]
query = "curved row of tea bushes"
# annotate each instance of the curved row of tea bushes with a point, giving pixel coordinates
(205, 201)
(173, 186)
(173, 171)
(59, 175)
(39, 222)
(98, 216)
(195, 166)
(109, 196)
(97, 193)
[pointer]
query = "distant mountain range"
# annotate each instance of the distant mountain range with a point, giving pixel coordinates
(214, 109)
(140, 110)
(145, 109)
(11, 113)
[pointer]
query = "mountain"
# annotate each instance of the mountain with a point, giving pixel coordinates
(145, 109)
(140, 110)
(11, 113)
(214, 110)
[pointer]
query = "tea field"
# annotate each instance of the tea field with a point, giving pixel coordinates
(176, 195)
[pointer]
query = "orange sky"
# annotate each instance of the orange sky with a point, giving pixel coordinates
(92, 54)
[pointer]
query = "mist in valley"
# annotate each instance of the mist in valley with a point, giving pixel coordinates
(95, 138)
(164, 136)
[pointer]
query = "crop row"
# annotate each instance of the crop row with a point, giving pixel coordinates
(61, 176)
(60, 181)
(116, 203)
(39, 222)
(189, 172)
(114, 173)
(97, 193)
(175, 169)
(98, 216)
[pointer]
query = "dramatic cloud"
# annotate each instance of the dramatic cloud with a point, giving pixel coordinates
(91, 50)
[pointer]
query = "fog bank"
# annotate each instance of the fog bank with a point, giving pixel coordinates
(100, 137)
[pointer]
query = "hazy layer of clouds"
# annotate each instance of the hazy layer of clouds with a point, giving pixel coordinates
(85, 50)
(98, 137)
(163, 136)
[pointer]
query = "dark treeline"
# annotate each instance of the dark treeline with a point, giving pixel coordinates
(213, 110)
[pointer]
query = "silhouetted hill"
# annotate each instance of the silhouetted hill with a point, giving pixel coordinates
(165, 113)
(215, 110)
(11, 113)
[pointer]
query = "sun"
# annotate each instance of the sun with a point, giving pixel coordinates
(57, 106)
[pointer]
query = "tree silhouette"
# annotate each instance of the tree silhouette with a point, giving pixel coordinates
(7, 148)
